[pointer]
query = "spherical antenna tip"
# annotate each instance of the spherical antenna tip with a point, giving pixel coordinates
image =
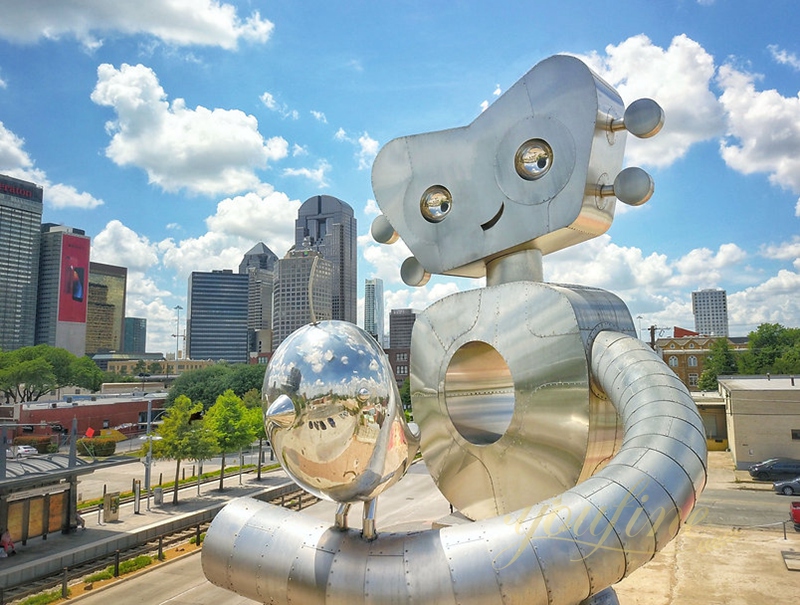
(633, 186)
(413, 273)
(644, 118)
(382, 230)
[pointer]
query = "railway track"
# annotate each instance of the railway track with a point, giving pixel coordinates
(296, 499)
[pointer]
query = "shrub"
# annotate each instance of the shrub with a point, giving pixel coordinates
(97, 446)
(44, 598)
(42, 444)
(124, 567)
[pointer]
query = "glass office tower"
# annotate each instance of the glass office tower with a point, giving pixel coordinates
(20, 224)
(373, 308)
(327, 224)
(216, 325)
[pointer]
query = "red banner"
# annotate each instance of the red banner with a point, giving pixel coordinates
(74, 279)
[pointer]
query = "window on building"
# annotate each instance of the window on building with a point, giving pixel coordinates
(693, 380)
(673, 361)
(795, 434)
(692, 361)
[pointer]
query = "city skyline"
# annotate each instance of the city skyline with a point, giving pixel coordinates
(177, 146)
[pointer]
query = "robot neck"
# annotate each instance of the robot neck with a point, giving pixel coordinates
(521, 265)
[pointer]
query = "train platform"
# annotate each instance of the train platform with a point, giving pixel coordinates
(43, 556)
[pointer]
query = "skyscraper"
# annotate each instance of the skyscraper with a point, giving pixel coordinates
(401, 322)
(373, 308)
(20, 222)
(216, 324)
(100, 321)
(115, 280)
(327, 224)
(302, 292)
(61, 308)
(710, 308)
(135, 339)
(259, 266)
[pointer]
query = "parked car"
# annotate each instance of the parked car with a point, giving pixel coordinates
(787, 488)
(22, 451)
(794, 509)
(775, 468)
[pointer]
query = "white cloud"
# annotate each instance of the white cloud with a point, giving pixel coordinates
(238, 224)
(385, 259)
(319, 116)
(269, 101)
(763, 129)
(316, 175)
(3, 83)
(201, 150)
(15, 161)
(703, 267)
(177, 22)
(484, 105)
(679, 79)
(371, 208)
(773, 301)
(368, 149)
(786, 251)
(12, 154)
(66, 196)
(784, 57)
(299, 150)
(119, 245)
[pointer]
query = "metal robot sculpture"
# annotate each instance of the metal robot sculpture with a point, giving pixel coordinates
(571, 449)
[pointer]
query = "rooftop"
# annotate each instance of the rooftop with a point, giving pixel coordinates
(759, 383)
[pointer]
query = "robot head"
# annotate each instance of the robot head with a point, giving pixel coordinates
(540, 169)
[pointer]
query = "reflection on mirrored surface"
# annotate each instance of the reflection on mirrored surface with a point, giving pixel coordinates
(333, 413)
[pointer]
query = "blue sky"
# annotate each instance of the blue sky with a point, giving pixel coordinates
(180, 134)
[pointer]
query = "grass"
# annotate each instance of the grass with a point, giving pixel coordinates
(44, 598)
(128, 566)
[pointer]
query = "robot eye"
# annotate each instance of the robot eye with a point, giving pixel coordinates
(533, 159)
(435, 204)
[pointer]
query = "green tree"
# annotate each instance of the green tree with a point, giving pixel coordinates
(30, 372)
(231, 424)
(86, 373)
(140, 367)
(720, 361)
(206, 384)
(182, 438)
(771, 349)
(405, 394)
(203, 385)
(244, 377)
(155, 367)
(253, 402)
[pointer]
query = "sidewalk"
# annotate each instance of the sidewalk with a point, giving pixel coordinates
(66, 550)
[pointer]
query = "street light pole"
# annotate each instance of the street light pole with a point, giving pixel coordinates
(177, 336)
(149, 458)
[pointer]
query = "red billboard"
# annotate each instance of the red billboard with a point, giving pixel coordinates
(74, 279)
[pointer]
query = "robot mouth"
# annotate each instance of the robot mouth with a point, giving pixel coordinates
(493, 221)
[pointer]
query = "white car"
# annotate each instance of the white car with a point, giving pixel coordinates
(22, 451)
